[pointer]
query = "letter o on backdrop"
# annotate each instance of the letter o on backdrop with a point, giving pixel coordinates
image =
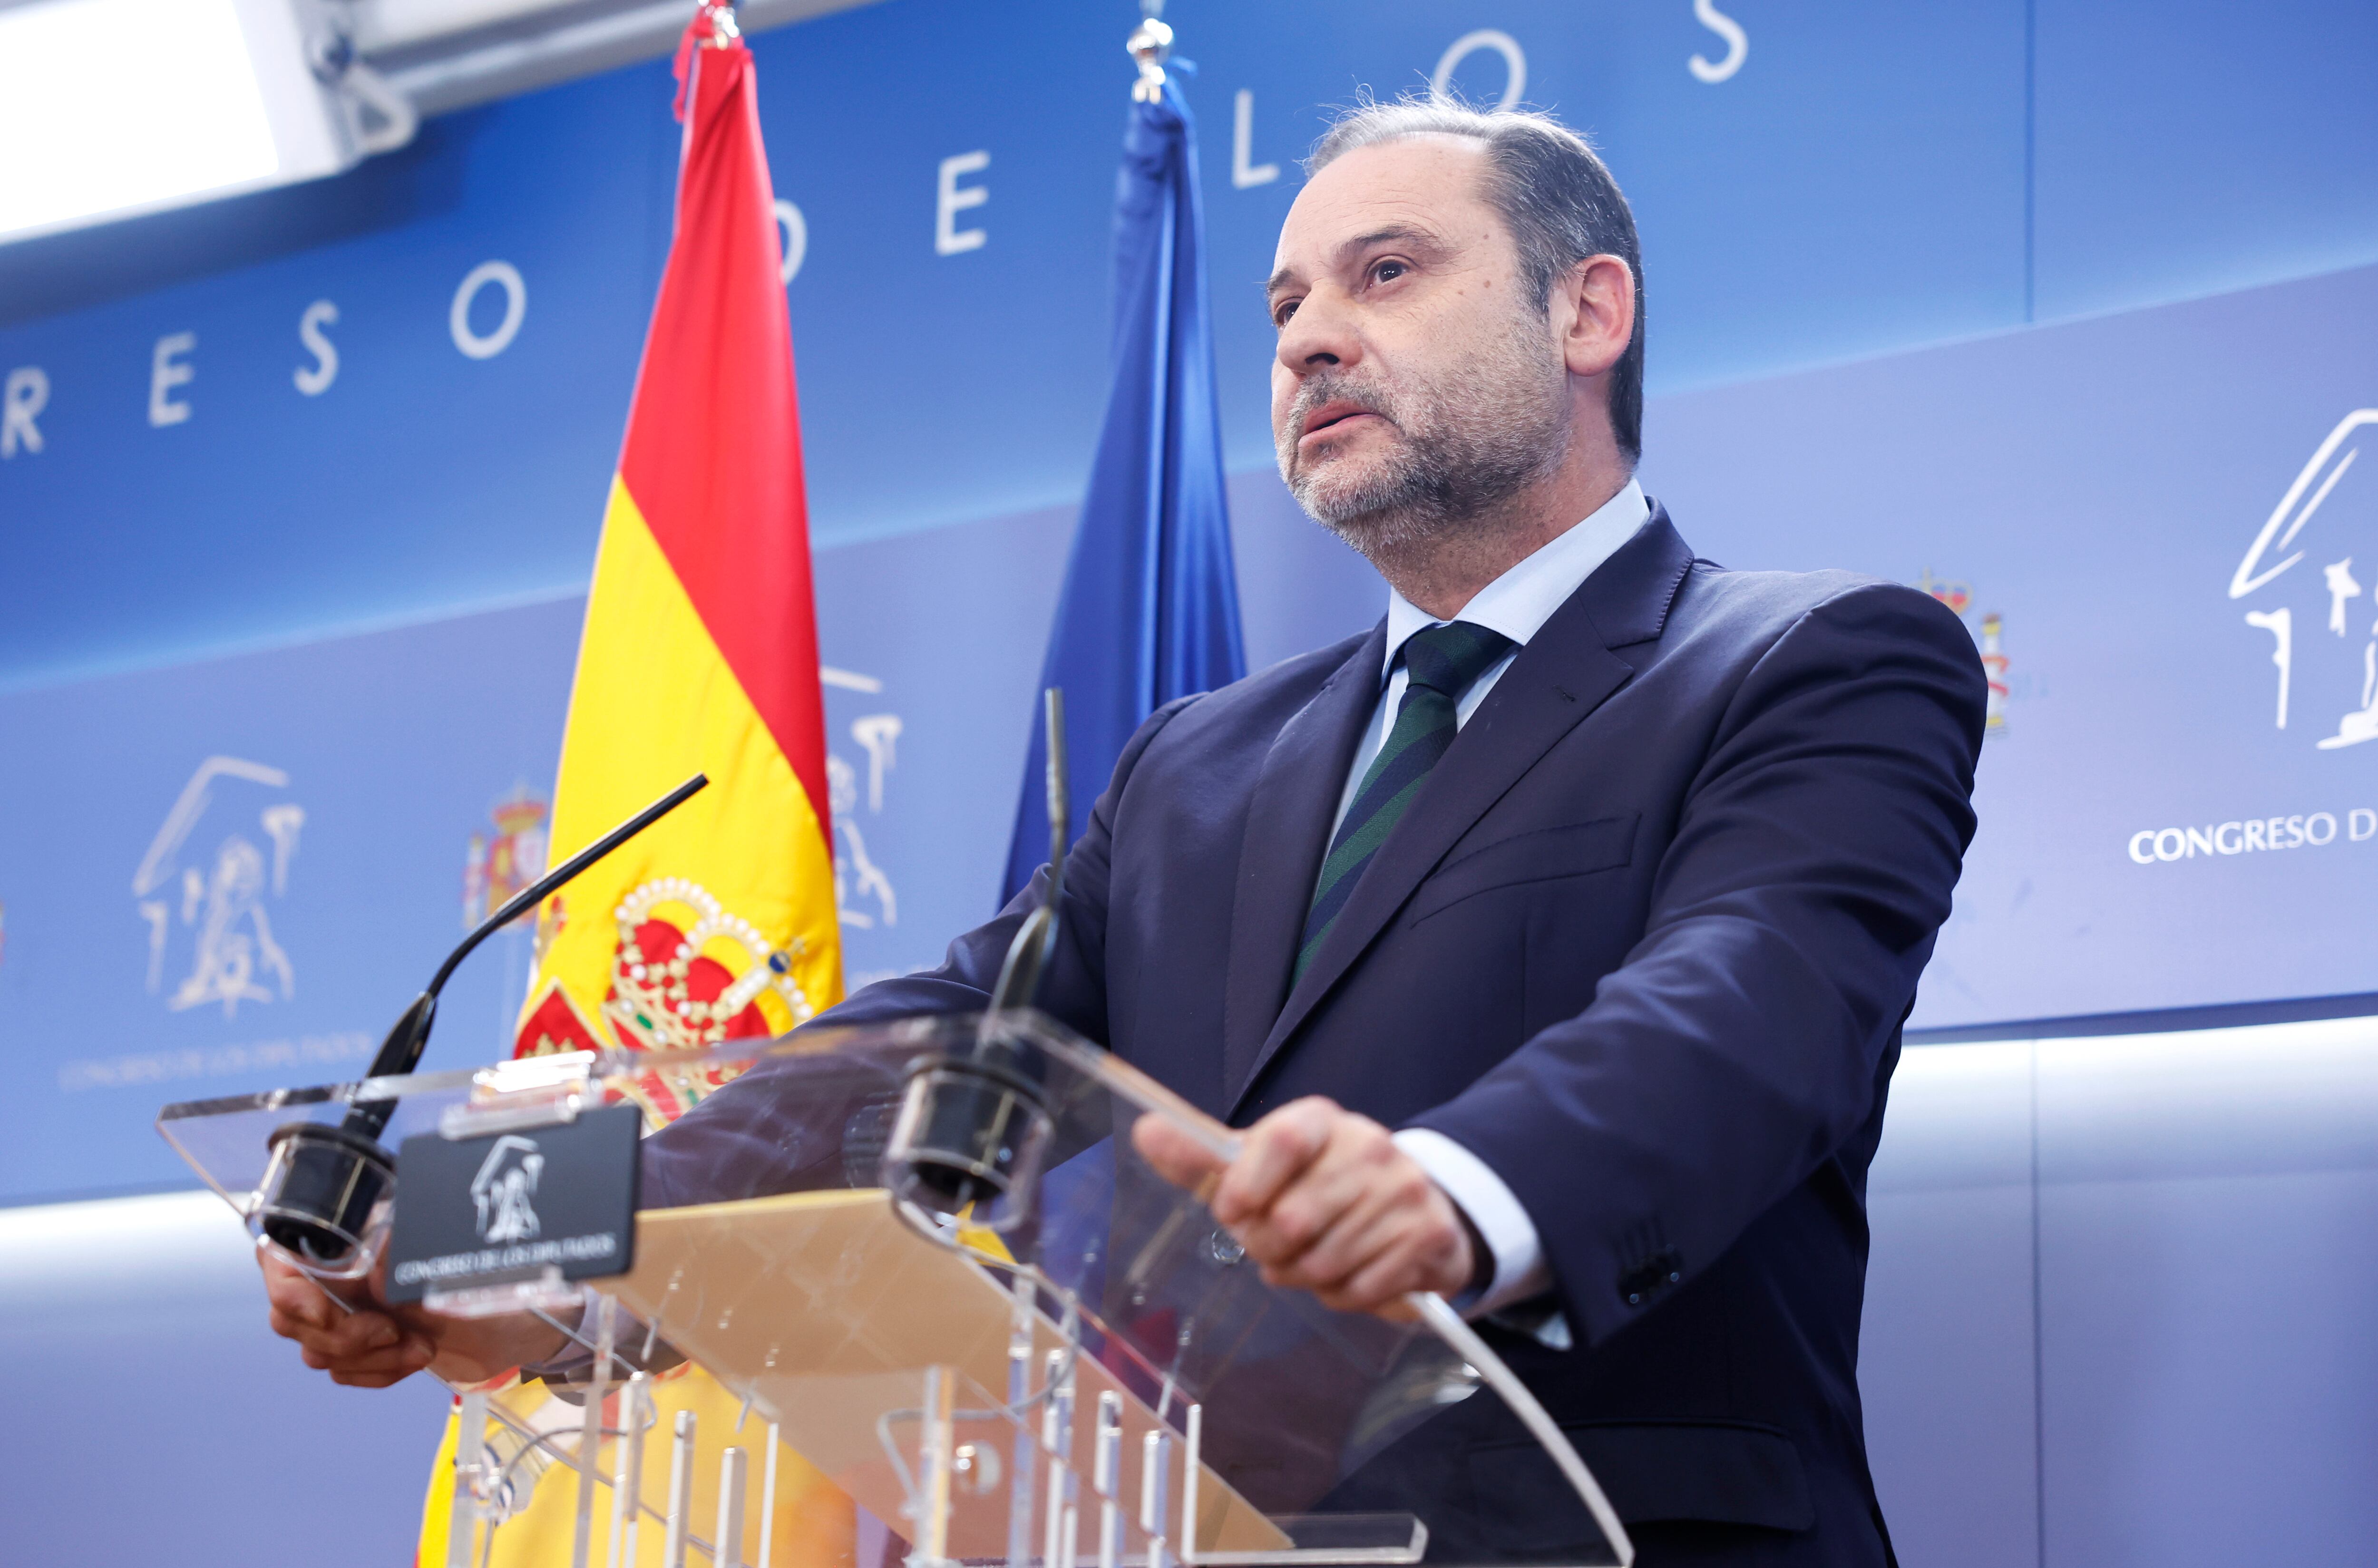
(506, 276)
(2178, 845)
(1470, 43)
(794, 230)
(2311, 825)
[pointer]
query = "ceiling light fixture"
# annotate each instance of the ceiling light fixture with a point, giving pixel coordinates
(110, 108)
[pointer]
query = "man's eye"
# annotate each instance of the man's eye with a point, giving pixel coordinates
(1281, 312)
(1389, 272)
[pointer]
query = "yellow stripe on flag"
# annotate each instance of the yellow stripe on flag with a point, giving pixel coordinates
(815, 1525)
(652, 702)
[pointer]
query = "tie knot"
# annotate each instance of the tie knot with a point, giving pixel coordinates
(1448, 658)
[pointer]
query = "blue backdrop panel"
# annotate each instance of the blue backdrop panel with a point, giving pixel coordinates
(949, 624)
(416, 479)
(2099, 485)
(1853, 181)
(2192, 146)
(306, 893)
(257, 948)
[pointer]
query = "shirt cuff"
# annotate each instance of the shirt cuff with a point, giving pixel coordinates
(1510, 1236)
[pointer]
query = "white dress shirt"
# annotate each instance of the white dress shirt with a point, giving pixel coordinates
(1517, 605)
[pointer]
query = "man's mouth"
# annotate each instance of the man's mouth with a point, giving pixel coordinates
(1336, 412)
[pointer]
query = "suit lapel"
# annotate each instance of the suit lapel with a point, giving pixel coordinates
(1563, 673)
(1288, 831)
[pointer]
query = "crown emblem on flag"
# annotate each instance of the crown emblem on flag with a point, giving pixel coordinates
(674, 982)
(687, 973)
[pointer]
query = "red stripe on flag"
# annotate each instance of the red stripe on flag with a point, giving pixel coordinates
(713, 454)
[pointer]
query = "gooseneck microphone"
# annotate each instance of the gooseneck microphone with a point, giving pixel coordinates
(972, 1126)
(401, 1052)
(1019, 975)
(323, 1183)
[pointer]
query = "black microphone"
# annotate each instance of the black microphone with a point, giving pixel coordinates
(401, 1052)
(1019, 975)
(319, 1188)
(972, 1128)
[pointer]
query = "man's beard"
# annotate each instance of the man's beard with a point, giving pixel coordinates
(1472, 439)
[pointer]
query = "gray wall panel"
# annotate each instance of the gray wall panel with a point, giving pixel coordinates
(1946, 1361)
(153, 1419)
(2208, 1281)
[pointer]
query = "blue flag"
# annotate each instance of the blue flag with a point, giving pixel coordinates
(1150, 609)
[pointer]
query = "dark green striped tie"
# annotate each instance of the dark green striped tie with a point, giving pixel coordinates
(1439, 665)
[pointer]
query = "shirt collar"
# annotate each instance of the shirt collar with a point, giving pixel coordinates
(1518, 602)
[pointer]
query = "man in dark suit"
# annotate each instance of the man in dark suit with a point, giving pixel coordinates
(1553, 937)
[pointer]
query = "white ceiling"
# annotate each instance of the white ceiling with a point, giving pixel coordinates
(446, 54)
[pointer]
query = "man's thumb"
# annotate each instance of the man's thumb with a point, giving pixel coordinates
(1176, 1154)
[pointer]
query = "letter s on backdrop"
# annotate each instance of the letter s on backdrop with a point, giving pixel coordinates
(315, 379)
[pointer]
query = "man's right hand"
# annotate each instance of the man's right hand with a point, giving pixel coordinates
(367, 1347)
(372, 1344)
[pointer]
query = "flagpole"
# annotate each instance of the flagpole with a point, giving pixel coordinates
(1148, 612)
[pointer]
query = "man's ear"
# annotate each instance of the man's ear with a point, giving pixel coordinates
(1597, 312)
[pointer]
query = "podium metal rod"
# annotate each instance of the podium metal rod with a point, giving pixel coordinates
(1195, 1436)
(1057, 1437)
(768, 1497)
(590, 1435)
(681, 1491)
(1152, 1500)
(1107, 1477)
(1020, 1446)
(470, 1459)
(935, 1451)
(726, 1549)
(627, 1475)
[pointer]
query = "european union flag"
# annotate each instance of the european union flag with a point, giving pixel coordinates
(1150, 608)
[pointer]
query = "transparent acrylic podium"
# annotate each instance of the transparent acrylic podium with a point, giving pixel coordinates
(1076, 1369)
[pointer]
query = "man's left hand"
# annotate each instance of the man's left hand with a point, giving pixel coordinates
(1324, 1199)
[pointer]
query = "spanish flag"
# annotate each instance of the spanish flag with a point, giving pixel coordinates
(700, 653)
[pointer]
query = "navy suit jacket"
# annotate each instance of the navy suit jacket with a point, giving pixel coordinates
(1643, 943)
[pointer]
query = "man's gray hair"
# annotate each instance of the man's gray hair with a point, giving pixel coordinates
(1553, 191)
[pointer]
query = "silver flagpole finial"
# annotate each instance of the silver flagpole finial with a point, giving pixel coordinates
(724, 30)
(1151, 44)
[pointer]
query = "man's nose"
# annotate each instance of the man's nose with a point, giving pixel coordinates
(1319, 336)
